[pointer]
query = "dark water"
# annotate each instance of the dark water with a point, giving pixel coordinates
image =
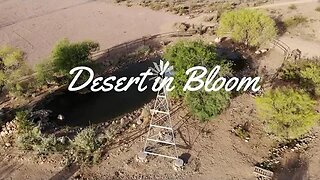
(96, 107)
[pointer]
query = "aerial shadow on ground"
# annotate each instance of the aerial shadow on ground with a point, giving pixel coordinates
(8, 169)
(66, 172)
(294, 167)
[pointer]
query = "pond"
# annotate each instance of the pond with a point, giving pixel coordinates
(96, 107)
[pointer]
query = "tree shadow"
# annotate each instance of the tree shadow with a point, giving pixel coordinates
(282, 28)
(66, 172)
(7, 169)
(293, 168)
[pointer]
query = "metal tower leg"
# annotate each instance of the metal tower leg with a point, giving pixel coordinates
(160, 140)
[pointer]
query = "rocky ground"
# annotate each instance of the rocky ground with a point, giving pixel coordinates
(211, 150)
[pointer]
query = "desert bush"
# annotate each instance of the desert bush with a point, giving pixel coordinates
(206, 105)
(247, 26)
(292, 7)
(287, 113)
(305, 72)
(295, 21)
(12, 71)
(318, 9)
(86, 140)
(86, 145)
(65, 56)
(29, 139)
(45, 73)
(23, 123)
(186, 54)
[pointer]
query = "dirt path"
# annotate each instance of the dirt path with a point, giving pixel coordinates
(36, 26)
(286, 3)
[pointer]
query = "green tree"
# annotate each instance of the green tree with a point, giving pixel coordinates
(207, 105)
(65, 56)
(288, 114)
(13, 71)
(247, 26)
(186, 54)
(306, 73)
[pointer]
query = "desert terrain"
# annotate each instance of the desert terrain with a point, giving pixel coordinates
(211, 150)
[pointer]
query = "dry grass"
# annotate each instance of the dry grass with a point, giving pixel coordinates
(295, 21)
(292, 7)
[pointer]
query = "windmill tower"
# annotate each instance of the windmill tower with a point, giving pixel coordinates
(160, 140)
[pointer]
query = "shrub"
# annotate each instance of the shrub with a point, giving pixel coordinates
(13, 70)
(86, 146)
(86, 140)
(292, 7)
(29, 139)
(287, 113)
(318, 9)
(186, 54)
(305, 72)
(247, 26)
(24, 125)
(206, 105)
(66, 55)
(295, 21)
(45, 73)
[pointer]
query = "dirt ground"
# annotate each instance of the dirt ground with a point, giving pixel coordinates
(35, 26)
(212, 152)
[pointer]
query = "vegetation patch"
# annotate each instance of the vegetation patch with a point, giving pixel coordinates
(288, 113)
(186, 54)
(306, 73)
(295, 21)
(292, 7)
(248, 26)
(65, 56)
(14, 72)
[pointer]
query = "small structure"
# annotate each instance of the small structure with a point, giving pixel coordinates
(263, 174)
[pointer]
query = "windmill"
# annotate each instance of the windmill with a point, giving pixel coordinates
(160, 140)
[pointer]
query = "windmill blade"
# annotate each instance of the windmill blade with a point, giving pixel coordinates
(153, 78)
(170, 69)
(154, 71)
(157, 67)
(169, 74)
(161, 66)
(165, 67)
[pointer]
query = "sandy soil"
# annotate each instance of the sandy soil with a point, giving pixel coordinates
(215, 153)
(35, 26)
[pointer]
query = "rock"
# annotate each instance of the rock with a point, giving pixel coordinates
(139, 122)
(178, 164)
(122, 122)
(60, 117)
(7, 144)
(141, 157)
